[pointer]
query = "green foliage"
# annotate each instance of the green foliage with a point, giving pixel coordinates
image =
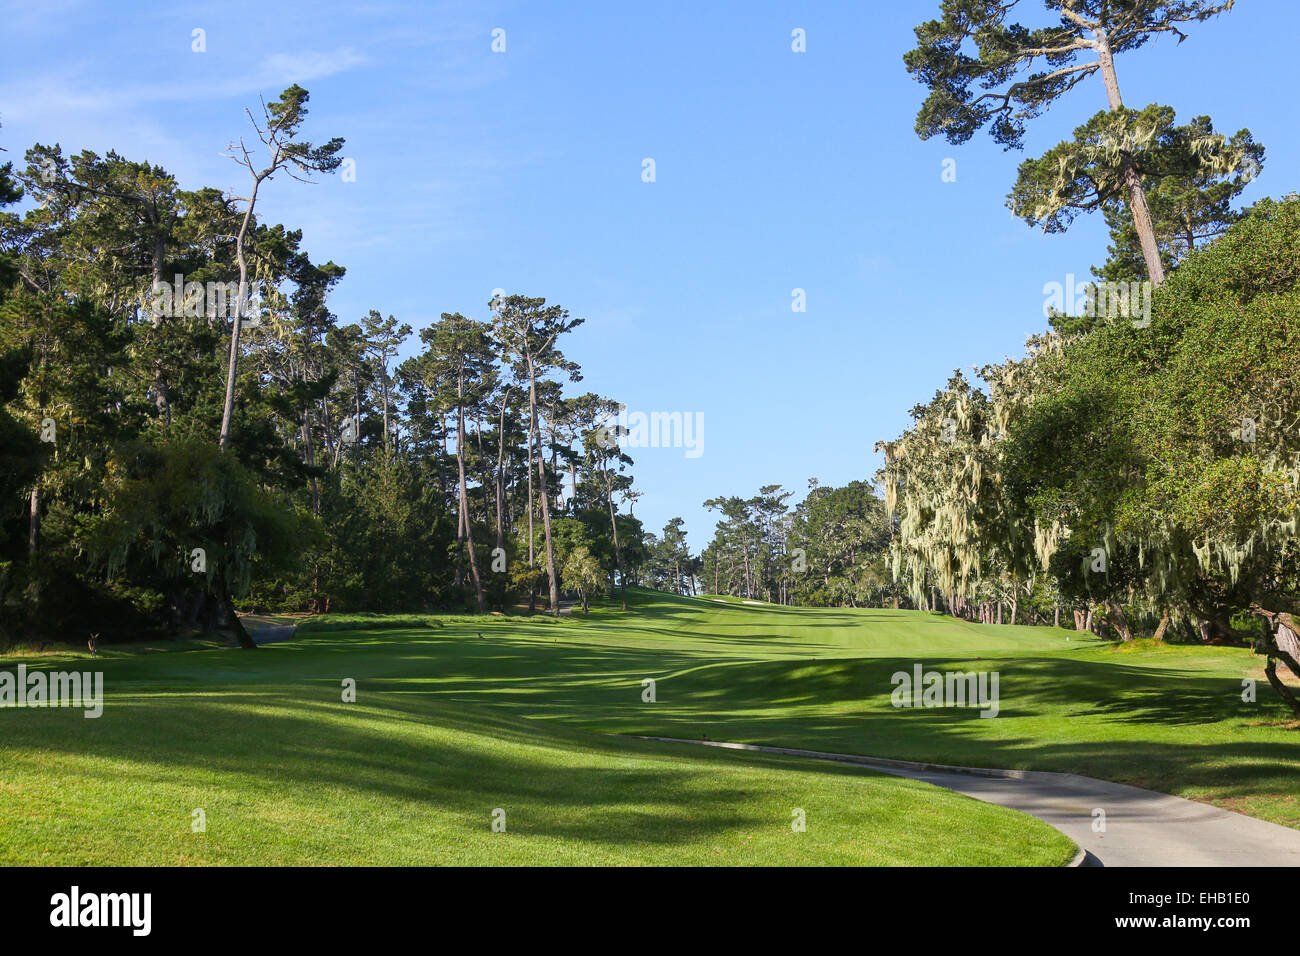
(829, 550)
(163, 501)
(838, 542)
(1189, 209)
(1189, 174)
(1177, 443)
(983, 70)
(348, 479)
(584, 573)
(1147, 473)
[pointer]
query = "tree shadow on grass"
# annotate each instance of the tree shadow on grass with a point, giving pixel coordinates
(1159, 726)
(452, 759)
(1155, 726)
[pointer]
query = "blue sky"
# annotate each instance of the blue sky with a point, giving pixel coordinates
(522, 170)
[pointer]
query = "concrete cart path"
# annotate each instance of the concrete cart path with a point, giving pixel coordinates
(1143, 827)
(264, 632)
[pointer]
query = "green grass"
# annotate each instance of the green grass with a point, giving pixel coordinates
(1166, 717)
(449, 726)
(1169, 718)
(287, 773)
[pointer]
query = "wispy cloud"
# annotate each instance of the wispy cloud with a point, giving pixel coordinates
(70, 94)
(307, 66)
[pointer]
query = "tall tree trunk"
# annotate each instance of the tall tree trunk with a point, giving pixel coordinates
(232, 616)
(532, 558)
(1164, 624)
(442, 458)
(159, 384)
(555, 469)
(485, 468)
(356, 444)
(314, 485)
(228, 409)
(501, 470)
(384, 395)
(310, 449)
(464, 495)
(541, 487)
(327, 433)
(613, 527)
(34, 522)
(1132, 180)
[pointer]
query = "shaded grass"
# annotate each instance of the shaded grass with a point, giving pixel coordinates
(1168, 718)
(290, 775)
(362, 620)
(450, 725)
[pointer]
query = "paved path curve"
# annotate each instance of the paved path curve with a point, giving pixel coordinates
(264, 633)
(1143, 827)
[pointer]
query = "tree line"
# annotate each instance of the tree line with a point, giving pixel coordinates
(830, 549)
(1139, 467)
(185, 424)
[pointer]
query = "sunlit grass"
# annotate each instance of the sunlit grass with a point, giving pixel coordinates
(289, 774)
(457, 716)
